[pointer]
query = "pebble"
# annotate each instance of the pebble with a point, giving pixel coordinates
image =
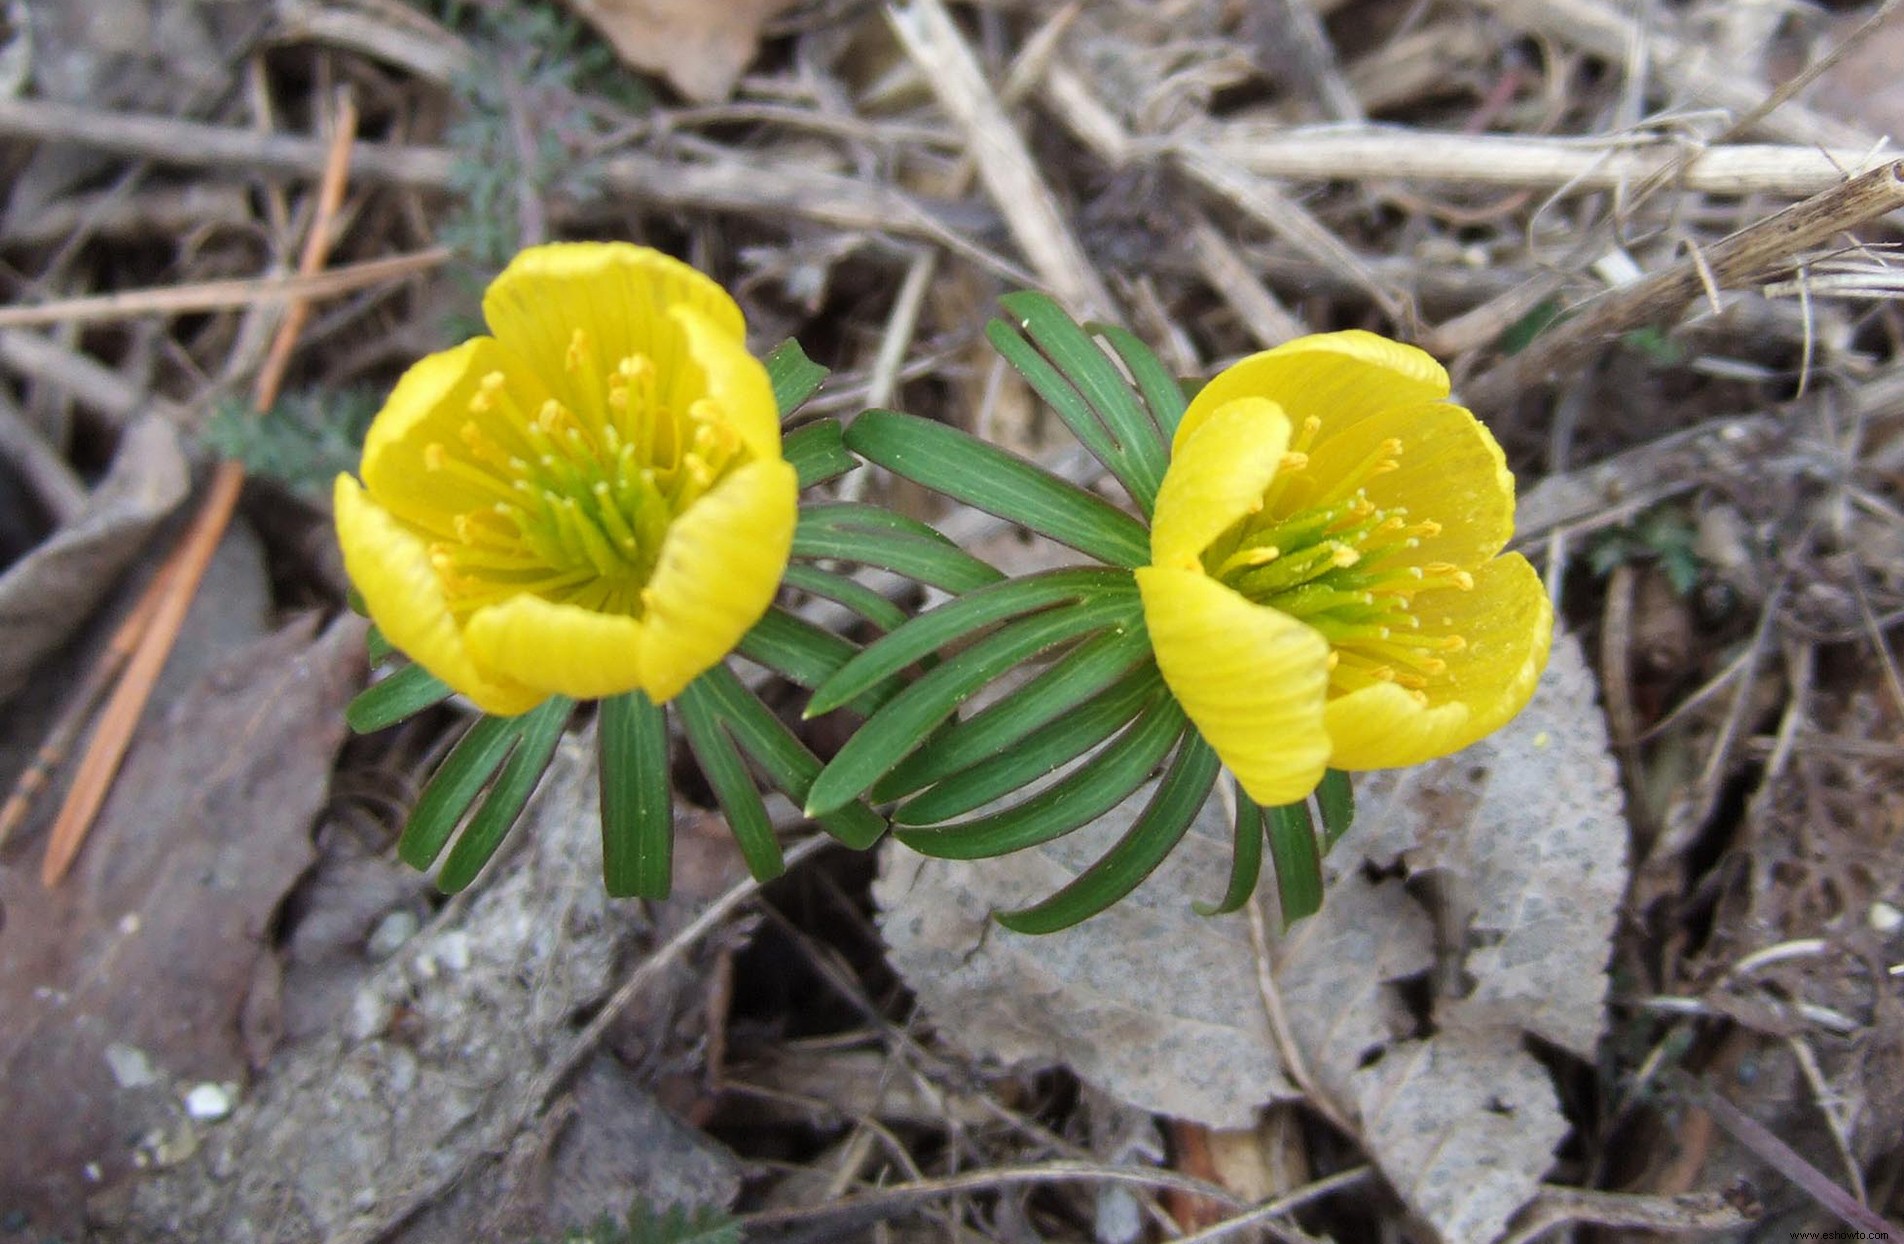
(130, 1067)
(207, 1103)
(391, 933)
(1885, 918)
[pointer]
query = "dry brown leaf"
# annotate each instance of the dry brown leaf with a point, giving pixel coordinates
(699, 47)
(124, 987)
(48, 592)
(1524, 839)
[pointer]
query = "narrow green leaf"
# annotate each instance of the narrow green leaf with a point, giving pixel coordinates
(855, 595)
(1336, 797)
(637, 797)
(794, 648)
(784, 758)
(454, 787)
(958, 618)
(1091, 374)
(733, 785)
(1073, 678)
(1292, 845)
(1058, 393)
(377, 646)
(1246, 860)
(817, 452)
(805, 655)
(988, 478)
(385, 703)
(1041, 752)
(1185, 785)
(905, 722)
(1080, 797)
(1162, 394)
(541, 731)
(794, 376)
(859, 516)
(937, 563)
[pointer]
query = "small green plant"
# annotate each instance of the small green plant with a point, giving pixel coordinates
(526, 128)
(302, 442)
(676, 1225)
(1663, 535)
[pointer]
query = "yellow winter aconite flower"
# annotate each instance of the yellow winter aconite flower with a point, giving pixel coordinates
(1326, 586)
(588, 502)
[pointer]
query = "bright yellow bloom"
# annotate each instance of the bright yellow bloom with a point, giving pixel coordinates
(591, 501)
(1326, 587)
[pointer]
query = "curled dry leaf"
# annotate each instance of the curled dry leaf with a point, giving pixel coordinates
(45, 593)
(1522, 843)
(699, 47)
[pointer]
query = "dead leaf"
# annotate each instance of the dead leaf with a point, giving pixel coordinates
(1523, 839)
(700, 48)
(124, 987)
(48, 592)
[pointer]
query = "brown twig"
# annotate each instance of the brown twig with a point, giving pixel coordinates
(218, 295)
(53, 751)
(186, 568)
(1747, 255)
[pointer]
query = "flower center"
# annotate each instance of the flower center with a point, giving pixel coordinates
(1343, 565)
(581, 498)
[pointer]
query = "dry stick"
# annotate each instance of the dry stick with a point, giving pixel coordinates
(1266, 203)
(1005, 165)
(1390, 153)
(1091, 123)
(187, 566)
(851, 1213)
(1749, 1132)
(89, 381)
(1747, 255)
(1262, 314)
(1691, 1211)
(53, 751)
(1281, 1207)
(218, 295)
(1026, 68)
(734, 185)
(1684, 65)
(59, 488)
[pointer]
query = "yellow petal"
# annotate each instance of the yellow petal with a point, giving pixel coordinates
(1508, 625)
(735, 381)
(1451, 470)
(1251, 679)
(720, 567)
(560, 648)
(1327, 375)
(1216, 477)
(428, 407)
(619, 296)
(390, 564)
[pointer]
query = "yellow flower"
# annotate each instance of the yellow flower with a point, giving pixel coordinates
(591, 501)
(1326, 587)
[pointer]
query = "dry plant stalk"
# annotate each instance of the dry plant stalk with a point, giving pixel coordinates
(1004, 163)
(178, 581)
(1747, 255)
(219, 295)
